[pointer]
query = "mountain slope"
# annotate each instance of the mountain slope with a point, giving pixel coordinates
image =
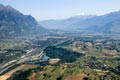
(14, 23)
(108, 23)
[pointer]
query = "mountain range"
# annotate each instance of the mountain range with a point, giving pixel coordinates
(108, 23)
(64, 23)
(14, 23)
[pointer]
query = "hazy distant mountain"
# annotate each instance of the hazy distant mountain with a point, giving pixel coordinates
(64, 23)
(12, 22)
(109, 23)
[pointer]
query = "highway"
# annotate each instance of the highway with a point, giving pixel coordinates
(31, 55)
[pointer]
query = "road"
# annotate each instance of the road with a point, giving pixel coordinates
(31, 55)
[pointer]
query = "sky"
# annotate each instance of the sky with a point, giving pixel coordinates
(59, 9)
